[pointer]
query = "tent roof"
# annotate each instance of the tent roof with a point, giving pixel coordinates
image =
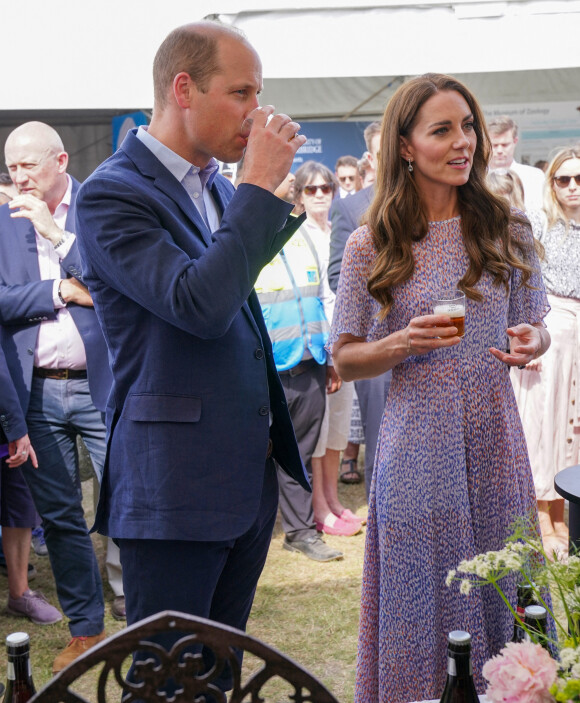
(320, 57)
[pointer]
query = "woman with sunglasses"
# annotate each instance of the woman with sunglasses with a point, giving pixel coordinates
(548, 390)
(314, 189)
(451, 468)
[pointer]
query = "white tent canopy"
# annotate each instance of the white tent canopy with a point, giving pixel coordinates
(320, 57)
(346, 61)
(75, 64)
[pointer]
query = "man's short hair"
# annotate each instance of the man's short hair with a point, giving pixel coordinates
(370, 132)
(192, 48)
(502, 124)
(346, 161)
(5, 180)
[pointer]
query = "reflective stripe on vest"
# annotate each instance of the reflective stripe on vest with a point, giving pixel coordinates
(288, 290)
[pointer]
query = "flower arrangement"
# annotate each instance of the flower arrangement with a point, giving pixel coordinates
(525, 672)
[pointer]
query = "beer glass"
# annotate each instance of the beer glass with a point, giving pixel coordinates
(451, 303)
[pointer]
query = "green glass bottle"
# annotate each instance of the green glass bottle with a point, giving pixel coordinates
(459, 687)
(19, 684)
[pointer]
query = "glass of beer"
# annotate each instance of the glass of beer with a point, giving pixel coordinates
(451, 303)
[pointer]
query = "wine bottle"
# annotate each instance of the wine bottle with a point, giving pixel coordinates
(459, 687)
(525, 598)
(535, 620)
(19, 684)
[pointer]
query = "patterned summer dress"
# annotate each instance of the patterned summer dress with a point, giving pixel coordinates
(451, 472)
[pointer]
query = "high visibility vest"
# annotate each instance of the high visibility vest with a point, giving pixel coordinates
(288, 288)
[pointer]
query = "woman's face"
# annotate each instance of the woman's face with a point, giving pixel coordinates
(568, 195)
(316, 204)
(442, 142)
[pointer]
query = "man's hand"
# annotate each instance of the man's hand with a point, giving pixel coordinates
(20, 451)
(73, 291)
(37, 212)
(271, 147)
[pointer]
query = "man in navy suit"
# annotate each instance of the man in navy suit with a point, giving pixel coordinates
(58, 363)
(345, 215)
(171, 253)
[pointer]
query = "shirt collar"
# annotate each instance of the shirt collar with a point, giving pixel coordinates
(176, 164)
(63, 206)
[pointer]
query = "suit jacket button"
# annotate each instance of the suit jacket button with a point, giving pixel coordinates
(30, 351)
(263, 410)
(259, 353)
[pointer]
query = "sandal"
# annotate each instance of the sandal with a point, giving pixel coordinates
(351, 474)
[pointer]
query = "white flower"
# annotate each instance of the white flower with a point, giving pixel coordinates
(450, 577)
(465, 587)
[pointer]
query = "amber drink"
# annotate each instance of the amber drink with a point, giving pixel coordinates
(452, 304)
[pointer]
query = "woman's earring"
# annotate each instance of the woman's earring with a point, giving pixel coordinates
(410, 165)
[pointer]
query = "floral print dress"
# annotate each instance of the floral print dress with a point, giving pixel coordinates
(451, 471)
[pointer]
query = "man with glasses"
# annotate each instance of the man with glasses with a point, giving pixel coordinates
(503, 132)
(346, 172)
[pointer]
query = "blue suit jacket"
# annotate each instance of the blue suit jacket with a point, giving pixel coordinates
(194, 376)
(345, 216)
(25, 301)
(12, 424)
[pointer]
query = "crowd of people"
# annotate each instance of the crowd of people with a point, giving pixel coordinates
(224, 351)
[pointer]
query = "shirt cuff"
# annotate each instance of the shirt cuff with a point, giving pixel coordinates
(65, 247)
(58, 304)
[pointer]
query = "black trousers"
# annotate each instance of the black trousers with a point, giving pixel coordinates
(372, 393)
(306, 398)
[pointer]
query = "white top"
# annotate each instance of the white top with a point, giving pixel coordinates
(533, 180)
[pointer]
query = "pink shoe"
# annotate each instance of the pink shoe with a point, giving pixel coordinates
(347, 516)
(341, 528)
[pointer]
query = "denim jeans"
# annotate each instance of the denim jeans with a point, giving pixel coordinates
(58, 411)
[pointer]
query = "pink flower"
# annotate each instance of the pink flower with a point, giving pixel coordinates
(520, 673)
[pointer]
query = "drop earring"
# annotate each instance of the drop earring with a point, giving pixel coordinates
(410, 165)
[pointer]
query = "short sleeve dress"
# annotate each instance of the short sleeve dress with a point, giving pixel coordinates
(451, 472)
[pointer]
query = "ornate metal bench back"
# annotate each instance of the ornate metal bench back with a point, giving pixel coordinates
(187, 669)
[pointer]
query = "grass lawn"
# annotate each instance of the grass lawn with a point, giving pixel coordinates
(306, 609)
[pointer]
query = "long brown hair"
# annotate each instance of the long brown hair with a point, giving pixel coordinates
(396, 216)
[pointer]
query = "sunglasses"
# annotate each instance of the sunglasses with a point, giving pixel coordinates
(342, 179)
(326, 188)
(563, 181)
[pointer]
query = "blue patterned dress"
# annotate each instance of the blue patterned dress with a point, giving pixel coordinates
(451, 472)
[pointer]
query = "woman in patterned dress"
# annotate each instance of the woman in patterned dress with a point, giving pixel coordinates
(452, 472)
(547, 389)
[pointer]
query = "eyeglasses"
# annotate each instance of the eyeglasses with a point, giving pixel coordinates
(326, 188)
(564, 181)
(342, 179)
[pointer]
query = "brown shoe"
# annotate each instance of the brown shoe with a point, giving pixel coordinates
(74, 649)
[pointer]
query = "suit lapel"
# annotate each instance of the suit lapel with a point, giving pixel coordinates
(151, 167)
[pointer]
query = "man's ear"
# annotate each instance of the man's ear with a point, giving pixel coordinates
(183, 89)
(62, 160)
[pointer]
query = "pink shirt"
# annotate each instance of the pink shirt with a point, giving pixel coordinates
(59, 344)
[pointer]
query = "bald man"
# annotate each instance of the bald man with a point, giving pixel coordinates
(58, 362)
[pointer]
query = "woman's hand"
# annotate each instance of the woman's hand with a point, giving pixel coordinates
(354, 358)
(20, 451)
(527, 343)
(428, 332)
